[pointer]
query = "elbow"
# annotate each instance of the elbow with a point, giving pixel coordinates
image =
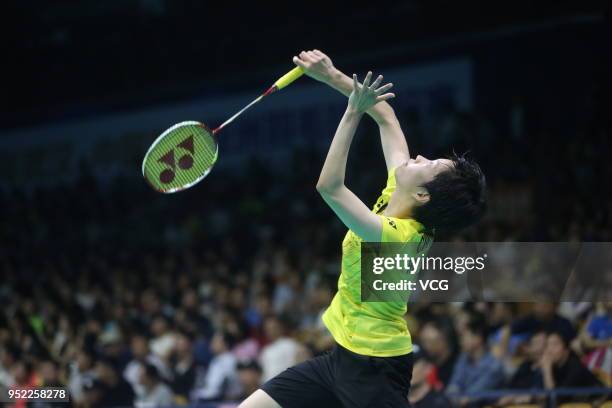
(326, 188)
(322, 188)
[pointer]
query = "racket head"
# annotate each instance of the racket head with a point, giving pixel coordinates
(180, 157)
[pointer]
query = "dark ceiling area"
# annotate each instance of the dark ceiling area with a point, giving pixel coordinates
(71, 57)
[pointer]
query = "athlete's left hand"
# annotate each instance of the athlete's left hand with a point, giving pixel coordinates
(364, 96)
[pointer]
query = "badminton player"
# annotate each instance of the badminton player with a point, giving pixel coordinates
(371, 363)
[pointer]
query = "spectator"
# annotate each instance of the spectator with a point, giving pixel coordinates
(139, 347)
(9, 355)
(476, 369)
(422, 394)
(183, 366)
(155, 392)
(281, 352)
(25, 378)
(596, 342)
(529, 374)
(436, 343)
(220, 380)
(561, 367)
(163, 338)
(49, 374)
(93, 394)
(249, 376)
(114, 389)
(544, 316)
(81, 374)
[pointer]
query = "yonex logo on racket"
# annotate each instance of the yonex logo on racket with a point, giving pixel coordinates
(185, 162)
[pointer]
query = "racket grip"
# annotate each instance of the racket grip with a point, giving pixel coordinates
(289, 77)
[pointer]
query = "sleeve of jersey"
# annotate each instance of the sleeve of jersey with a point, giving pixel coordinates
(397, 230)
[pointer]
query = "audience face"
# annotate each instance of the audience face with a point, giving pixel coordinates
(250, 379)
(273, 329)
(139, 347)
(536, 346)
(84, 361)
(159, 326)
(48, 372)
(190, 300)
(434, 341)
(20, 372)
(183, 347)
(218, 344)
(471, 342)
(556, 349)
(106, 372)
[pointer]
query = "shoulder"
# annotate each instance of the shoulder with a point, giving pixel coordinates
(401, 229)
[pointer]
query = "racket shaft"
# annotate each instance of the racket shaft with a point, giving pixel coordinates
(230, 120)
(282, 82)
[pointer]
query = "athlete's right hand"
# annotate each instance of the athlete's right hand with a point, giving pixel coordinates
(316, 65)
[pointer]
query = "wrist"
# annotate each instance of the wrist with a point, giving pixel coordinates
(352, 111)
(333, 77)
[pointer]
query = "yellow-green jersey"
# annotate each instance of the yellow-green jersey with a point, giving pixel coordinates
(371, 328)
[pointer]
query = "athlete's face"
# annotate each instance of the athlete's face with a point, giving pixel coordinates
(411, 175)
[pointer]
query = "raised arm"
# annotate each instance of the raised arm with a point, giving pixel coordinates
(320, 67)
(347, 206)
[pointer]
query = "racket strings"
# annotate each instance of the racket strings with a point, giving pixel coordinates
(204, 152)
(181, 157)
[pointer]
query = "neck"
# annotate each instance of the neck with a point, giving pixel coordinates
(397, 207)
(563, 360)
(442, 356)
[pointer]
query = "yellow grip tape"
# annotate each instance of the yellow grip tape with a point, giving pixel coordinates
(289, 77)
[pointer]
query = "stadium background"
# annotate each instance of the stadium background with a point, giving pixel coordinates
(96, 266)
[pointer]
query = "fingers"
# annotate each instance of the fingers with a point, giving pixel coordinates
(299, 62)
(376, 83)
(366, 81)
(319, 53)
(379, 92)
(385, 97)
(383, 88)
(305, 57)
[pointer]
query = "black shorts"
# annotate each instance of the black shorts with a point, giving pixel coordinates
(342, 378)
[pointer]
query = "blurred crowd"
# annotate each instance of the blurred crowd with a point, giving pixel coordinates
(127, 297)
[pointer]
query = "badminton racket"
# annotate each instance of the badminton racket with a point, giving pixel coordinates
(185, 153)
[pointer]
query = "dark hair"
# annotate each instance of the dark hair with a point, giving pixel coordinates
(478, 327)
(249, 365)
(457, 197)
(565, 337)
(228, 338)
